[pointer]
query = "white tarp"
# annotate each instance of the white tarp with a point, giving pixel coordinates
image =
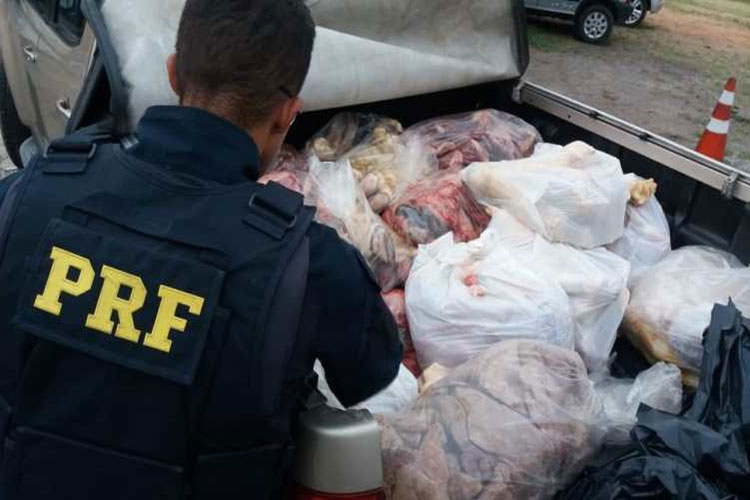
(365, 51)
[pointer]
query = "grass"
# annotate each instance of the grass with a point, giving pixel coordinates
(551, 37)
(735, 11)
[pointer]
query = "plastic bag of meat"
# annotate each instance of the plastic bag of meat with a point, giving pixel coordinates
(659, 387)
(348, 130)
(341, 199)
(594, 280)
(396, 302)
(671, 306)
(518, 421)
(462, 298)
(576, 195)
(385, 166)
(431, 207)
(398, 396)
(290, 160)
(646, 239)
(480, 136)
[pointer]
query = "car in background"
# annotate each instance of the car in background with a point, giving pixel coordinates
(594, 19)
(640, 7)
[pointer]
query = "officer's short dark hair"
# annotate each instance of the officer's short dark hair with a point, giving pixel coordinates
(245, 55)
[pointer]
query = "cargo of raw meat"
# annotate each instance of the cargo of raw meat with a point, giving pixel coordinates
(594, 280)
(341, 202)
(348, 130)
(383, 160)
(462, 298)
(518, 421)
(671, 305)
(434, 206)
(396, 302)
(480, 136)
(574, 195)
(646, 239)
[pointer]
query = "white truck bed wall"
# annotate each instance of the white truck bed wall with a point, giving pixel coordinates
(365, 50)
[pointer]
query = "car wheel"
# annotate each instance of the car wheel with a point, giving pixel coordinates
(638, 15)
(594, 24)
(12, 130)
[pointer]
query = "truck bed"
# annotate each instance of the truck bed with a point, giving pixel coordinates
(706, 201)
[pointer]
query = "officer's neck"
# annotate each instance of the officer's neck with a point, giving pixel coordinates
(259, 131)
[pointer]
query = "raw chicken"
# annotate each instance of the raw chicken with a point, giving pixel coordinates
(434, 206)
(481, 136)
(345, 205)
(594, 280)
(671, 307)
(348, 130)
(575, 195)
(462, 298)
(647, 238)
(517, 421)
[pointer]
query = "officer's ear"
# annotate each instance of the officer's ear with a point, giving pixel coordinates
(287, 112)
(172, 73)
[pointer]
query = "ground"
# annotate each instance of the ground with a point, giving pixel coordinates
(665, 75)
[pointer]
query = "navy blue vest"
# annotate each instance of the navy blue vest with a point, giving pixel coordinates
(146, 324)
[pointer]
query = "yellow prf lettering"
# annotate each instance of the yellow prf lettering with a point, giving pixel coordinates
(109, 302)
(58, 282)
(166, 319)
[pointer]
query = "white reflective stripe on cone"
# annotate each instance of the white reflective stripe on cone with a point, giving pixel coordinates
(727, 98)
(718, 126)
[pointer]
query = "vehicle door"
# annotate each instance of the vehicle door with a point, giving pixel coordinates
(58, 64)
(19, 33)
(559, 6)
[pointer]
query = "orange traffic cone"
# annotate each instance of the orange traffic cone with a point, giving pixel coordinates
(714, 140)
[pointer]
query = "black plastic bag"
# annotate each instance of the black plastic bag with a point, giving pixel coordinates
(702, 454)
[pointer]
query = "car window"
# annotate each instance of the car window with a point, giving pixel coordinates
(41, 6)
(69, 20)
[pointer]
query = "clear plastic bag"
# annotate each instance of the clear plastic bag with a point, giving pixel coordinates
(659, 387)
(576, 195)
(518, 421)
(347, 130)
(646, 239)
(398, 396)
(342, 204)
(479, 136)
(594, 280)
(386, 164)
(434, 206)
(462, 298)
(671, 306)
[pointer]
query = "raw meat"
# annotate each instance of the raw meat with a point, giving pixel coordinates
(342, 204)
(396, 302)
(289, 159)
(671, 306)
(517, 421)
(647, 238)
(348, 130)
(462, 298)
(434, 206)
(382, 159)
(594, 280)
(481, 136)
(574, 195)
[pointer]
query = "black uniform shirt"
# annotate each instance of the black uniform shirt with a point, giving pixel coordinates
(345, 323)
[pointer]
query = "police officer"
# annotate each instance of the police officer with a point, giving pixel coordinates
(160, 311)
